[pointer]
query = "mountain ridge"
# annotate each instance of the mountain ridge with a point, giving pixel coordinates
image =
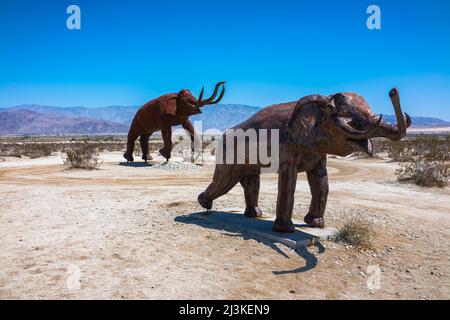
(32, 122)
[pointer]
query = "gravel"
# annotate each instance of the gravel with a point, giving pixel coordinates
(174, 166)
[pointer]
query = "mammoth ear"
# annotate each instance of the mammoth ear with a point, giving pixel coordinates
(168, 107)
(307, 116)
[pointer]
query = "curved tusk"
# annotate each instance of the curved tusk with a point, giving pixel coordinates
(351, 132)
(408, 120)
(200, 97)
(220, 96)
(210, 100)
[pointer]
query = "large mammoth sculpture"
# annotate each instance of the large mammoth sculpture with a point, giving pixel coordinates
(339, 124)
(162, 113)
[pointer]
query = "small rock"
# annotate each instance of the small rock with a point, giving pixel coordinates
(292, 291)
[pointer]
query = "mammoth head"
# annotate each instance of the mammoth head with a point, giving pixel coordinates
(185, 104)
(344, 123)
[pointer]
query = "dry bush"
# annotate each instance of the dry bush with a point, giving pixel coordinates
(397, 150)
(40, 146)
(4, 149)
(356, 232)
(425, 173)
(379, 147)
(82, 156)
(38, 150)
(427, 162)
(29, 149)
(362, 155)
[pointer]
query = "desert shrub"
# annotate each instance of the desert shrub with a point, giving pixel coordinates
(82, 156)
(9, 150)
(362, 155)
(38, 150)
(379, 146)
(427, 162)
(3, 149)
(32, 150)
(357, 232)
(425, 173)
(397, 151)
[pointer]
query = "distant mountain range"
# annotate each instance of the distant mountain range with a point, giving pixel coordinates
(41, 120)
(32, 122)
(421, 122)
(119, 114)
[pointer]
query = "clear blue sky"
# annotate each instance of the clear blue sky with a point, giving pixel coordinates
(128, 52)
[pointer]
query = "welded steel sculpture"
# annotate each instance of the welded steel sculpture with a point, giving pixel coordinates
(315, 126)
(162, 113)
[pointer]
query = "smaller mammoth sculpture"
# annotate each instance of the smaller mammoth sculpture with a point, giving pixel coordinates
(315, 126)
(162, 113)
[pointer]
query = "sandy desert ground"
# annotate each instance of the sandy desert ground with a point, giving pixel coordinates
(125, 232)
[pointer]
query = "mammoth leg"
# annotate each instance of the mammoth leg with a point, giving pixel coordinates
(187, 125)
(287, 179)
(318, 184)
(133, 134)
(251, 193)
(143, 140)
(167, 138)
(223, 181)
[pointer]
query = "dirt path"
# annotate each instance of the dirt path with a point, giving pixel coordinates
(124, 232)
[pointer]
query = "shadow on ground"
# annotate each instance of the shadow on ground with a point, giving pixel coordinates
(139, 164)
(303, 252)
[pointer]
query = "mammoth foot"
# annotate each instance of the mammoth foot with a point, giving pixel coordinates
(253, 212)
(283, 226)
(165, 153)
(315, 222)
(147, 158)
(128, 157)
(204, 202)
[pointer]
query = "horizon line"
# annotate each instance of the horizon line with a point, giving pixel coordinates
(138, 106)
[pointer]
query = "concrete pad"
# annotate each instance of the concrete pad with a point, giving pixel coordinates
(262, 226)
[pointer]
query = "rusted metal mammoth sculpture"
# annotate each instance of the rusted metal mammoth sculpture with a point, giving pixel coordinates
(162, 113)
(315, 126)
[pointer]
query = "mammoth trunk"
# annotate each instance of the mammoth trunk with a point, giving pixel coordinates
(393, 132)
(377, 128)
